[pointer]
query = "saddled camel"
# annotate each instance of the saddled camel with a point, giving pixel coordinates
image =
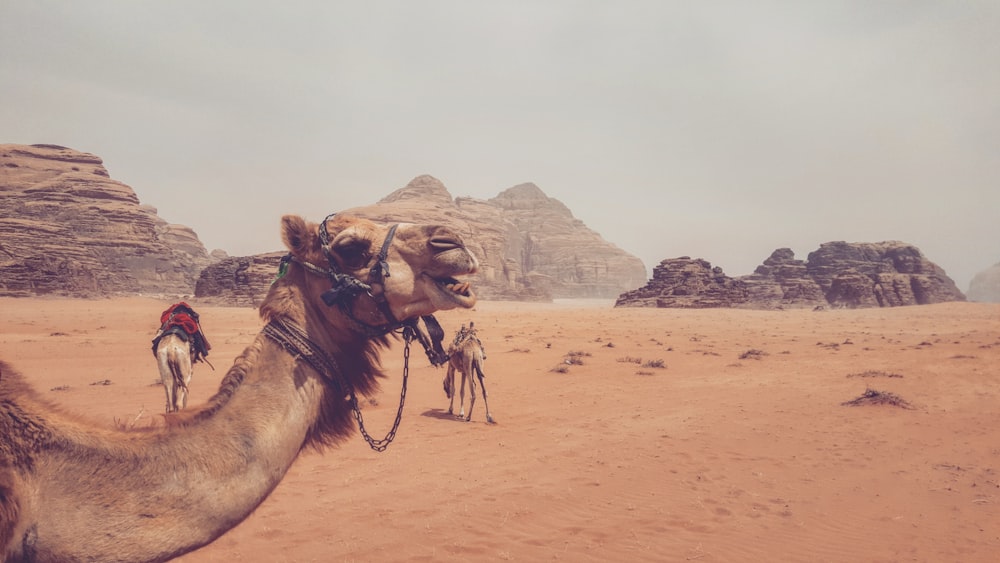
(73, 491)
(178, 344)
(173, 357)
(466, 355)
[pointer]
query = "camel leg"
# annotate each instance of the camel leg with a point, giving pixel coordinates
(168, 386)
(186, 373)
(181, 396)
(472, 394)
(461, 398)
(482, 383)
(449, 388)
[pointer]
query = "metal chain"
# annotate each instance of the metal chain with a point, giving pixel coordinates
(381, 445)
(294, 340)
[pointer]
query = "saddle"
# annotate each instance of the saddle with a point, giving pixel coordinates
(469, 333)
(182, 320)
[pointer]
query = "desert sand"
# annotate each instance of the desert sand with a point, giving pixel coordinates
(621, 435)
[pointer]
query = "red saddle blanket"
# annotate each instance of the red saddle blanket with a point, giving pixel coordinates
(180, 314)
(181, 317)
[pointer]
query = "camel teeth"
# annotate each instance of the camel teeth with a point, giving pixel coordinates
(460, 288)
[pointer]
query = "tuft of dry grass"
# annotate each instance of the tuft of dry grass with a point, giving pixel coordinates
(874, 373)
(875, 397)
(753, 354)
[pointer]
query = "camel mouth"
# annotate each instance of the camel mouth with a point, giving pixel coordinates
(455, 290)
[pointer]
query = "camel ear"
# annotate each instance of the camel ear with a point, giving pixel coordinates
(298, 235)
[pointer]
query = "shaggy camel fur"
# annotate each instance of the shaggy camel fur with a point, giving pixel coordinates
(72, 491)
(173, 356)
(466, 354)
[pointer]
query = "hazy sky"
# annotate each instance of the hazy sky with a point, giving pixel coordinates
(717, 130)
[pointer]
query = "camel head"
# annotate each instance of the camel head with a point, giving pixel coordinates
(380, 275)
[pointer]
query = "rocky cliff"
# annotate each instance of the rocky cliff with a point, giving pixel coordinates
(67, 228)
(985, 286)
(529, 245)
(838, 274)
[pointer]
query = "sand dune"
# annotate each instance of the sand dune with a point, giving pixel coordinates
(622, 435)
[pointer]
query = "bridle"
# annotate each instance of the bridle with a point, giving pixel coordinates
(346, 288)
(344, 291)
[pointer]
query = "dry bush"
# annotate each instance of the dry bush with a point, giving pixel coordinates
(753, 354)
(874, 373)
(654, 364)
(629, 360)
(874, 397)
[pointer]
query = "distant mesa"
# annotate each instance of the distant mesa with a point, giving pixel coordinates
(985, 286)
(67, 228)
(529, 245)
(837, 274)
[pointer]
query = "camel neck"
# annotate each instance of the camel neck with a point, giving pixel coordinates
(182, 486)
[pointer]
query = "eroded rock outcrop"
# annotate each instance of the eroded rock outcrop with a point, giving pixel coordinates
(838, 274)
(985, 286)
(529, 245)
(67, 228)
(241, 281)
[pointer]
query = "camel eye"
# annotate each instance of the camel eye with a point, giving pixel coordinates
(354, 254)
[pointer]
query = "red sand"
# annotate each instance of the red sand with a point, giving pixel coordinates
(708, 458)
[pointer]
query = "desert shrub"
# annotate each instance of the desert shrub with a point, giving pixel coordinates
(630, 360)
(753, 354)
(561, 368)
(874, 373)
(654, 364)
(875, 397)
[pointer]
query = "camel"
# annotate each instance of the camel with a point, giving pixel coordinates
(178, 345)
(466, 354)
(71, 490)
(173, 356)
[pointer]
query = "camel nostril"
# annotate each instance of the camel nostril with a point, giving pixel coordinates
(442, 244)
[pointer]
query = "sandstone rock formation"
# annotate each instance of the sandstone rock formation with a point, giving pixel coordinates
(838, 274)
(530, 246)
(242, 281)
(985, 286)
(67, 228)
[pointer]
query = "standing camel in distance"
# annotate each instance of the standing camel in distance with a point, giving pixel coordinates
(466, 354)
(74, 491)
(178, 344)
(173, 356)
